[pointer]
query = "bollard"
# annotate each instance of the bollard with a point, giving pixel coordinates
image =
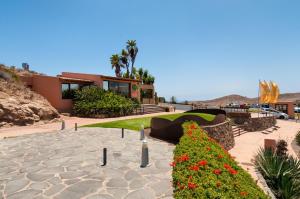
(122, 132)
(145, 154)
(75, 126)
(104, 156)
(63, 125)
(142, 132)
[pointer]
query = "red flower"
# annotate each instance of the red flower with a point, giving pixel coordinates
(202, 163)
(193, 126)
(232, 171)
(220, 156)
(227, 166)
(243, 193)
(194, 168)
(184, 158)
(208, 148)
(173, 164)
(218, 184)
(190, 133)
(192, 185)
(217, 171)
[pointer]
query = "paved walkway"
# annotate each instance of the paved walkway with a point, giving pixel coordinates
(66, 165)
(70, 122)
(247, 145)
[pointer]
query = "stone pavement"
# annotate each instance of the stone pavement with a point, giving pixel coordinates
(66, 164)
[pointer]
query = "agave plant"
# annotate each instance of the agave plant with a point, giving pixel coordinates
(281, 174)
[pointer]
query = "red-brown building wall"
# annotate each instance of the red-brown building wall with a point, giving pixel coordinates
(50, 88)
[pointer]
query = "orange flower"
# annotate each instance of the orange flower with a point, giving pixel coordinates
(218, 184)
(243, 193)
(220, 156)
(208, 148)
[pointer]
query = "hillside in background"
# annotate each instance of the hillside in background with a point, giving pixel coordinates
(221, 101)
(18, 104)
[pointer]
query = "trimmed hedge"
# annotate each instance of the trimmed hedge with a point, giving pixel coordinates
(94, 101)
(203, 169)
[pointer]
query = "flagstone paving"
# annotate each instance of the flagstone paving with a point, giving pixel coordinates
(67, 164)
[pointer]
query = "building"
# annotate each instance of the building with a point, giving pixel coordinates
(285, 107)
(59, 90)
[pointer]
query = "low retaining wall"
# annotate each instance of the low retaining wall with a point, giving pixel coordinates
(222, 133)
(258, 123)
(172, 130)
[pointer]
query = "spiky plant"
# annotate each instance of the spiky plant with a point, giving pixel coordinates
(281, 174)
(298, 138)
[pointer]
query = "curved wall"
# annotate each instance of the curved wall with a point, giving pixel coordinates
(219, 129)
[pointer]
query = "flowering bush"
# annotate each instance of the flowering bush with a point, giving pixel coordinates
(203, 169)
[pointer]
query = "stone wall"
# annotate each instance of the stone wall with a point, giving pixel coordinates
(222, 133)
(258, 123)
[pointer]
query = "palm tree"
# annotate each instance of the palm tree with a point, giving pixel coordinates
(145, 76)
(115, 64)
(132, 50)
(125, 62)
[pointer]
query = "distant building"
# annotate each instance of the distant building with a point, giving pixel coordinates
(25, 66)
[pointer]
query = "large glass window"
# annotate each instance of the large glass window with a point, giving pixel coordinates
(118, 87)
(68, 90)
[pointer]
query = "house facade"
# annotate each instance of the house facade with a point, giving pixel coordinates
(59, 90)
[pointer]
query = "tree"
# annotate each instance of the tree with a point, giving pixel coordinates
(132, 50)
(173, 100)
(125, 62)
(115, 64)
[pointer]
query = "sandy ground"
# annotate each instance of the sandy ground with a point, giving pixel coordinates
(247, 145)
(70, 123)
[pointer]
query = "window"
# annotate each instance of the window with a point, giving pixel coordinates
(68, 90)
(117, 87)
(105, 85)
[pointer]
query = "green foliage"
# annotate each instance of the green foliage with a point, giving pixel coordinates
(281, 148)
(298, 138)
(93, 101)
(203, 169)
(282, 174)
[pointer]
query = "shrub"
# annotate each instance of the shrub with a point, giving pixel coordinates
(298, 138)
(281, 174)
(93, 101)
(203, 169)
(281, 148)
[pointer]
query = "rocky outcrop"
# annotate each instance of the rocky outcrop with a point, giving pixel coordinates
(21, 106)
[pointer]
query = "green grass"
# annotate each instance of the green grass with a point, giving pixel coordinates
(135, 124)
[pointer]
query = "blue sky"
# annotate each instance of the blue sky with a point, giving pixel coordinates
(195, 49)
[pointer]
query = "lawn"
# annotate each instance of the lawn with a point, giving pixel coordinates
(135, 124)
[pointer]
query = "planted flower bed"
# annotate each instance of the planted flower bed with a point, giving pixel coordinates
(203, 169)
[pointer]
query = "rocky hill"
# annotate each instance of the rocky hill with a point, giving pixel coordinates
(18, 104)
(285, 97)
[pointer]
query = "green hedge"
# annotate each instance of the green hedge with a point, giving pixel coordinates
(93, 101)
(203, 169)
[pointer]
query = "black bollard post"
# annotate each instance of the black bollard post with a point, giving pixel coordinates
(142, 133)
(145, 154)
(63, 125)
(104, 156)
(122, 132)
(75, 126)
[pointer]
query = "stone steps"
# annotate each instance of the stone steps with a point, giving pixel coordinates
(152, 108)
